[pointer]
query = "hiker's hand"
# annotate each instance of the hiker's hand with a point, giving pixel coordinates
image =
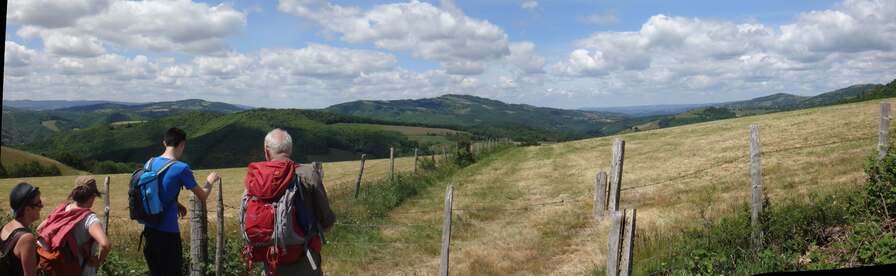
(212, 177)
(181, 210)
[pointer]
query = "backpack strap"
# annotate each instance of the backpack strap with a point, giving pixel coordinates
(148, 165)
(7, 245)
(166, 166)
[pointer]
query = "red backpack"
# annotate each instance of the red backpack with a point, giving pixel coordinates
(268, 213)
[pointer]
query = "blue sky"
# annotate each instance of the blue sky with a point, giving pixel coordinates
(568, 54)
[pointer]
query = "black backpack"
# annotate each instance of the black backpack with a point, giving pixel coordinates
(137, 202)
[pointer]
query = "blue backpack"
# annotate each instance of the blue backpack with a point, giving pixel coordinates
(144, 198)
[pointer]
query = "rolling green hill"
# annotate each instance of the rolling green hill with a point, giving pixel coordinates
(21, 126)
(12, 157)
(223, 140)
(488, 117)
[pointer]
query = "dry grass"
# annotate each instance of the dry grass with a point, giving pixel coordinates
(671, 176)
(682, 170)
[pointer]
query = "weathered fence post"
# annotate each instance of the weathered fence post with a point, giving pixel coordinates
(628, 242)
(756, 175)
(446, 231)
(621, 242)
(600, 195)
(106, 209)
(616, 174)
(444, 154)
(198, 237)
(883, 142)
(391, 164)
(415, 160)
(360, 174)
(614, 243)
(219, 246)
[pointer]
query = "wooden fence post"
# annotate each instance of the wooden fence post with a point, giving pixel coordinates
(616, 174)
(621, 242)
(360, 174)
(415, 160)
(198, 237)
(615, 242)
(106, 209)
(446, 231)
(219, 246)
(883, 142)
(628, 242)
(756, 175)
(391, 164)
(600, 196)
(444, 154)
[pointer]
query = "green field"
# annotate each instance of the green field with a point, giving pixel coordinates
(673, 177)
(11, 157)
(422, 135)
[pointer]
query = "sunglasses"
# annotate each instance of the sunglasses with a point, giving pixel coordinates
(38, 204)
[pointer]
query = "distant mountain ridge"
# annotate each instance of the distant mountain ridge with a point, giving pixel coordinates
(487, 116)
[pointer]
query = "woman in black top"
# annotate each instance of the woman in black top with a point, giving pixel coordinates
(17, 244)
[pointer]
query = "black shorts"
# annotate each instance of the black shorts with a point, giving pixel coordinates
(163, 253)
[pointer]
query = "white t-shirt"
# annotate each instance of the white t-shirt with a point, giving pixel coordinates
(81, 233)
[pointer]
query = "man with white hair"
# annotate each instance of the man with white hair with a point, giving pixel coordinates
(284, 211)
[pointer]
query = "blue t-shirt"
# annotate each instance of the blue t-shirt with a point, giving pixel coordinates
(177, 176)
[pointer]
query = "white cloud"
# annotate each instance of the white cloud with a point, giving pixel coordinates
(162, 26)
(52, 13)
(529, 4)
(712, 60)
(323, 61)
(444, 34)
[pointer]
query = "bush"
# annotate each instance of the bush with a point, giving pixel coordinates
(32, 169)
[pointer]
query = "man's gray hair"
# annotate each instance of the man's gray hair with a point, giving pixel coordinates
(278, 141)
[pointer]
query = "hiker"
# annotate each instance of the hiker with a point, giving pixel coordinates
(293, 193)
(158, 209)
(17, 244)
(69, 236)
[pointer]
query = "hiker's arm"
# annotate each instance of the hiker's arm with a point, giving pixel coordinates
(202, 192)
(26, 252)
(322, 204)
(96, 231)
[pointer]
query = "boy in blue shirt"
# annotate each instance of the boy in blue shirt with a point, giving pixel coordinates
(163, 243)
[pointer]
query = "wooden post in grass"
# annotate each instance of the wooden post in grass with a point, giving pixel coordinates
(446, 231)
(391, 164)
(756, 185)
(615, 242)
(628, 242)
(360, 174)
(600, 196)
(219, 240)
(883, 142)
(444, 154)
(198, 237)
(616, 174)
(415, 160)
(106, 207)
(621, 242)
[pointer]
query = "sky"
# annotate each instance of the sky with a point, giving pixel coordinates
(565, 54)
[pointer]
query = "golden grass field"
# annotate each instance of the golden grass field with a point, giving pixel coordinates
(11, 156)
(670, 176)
